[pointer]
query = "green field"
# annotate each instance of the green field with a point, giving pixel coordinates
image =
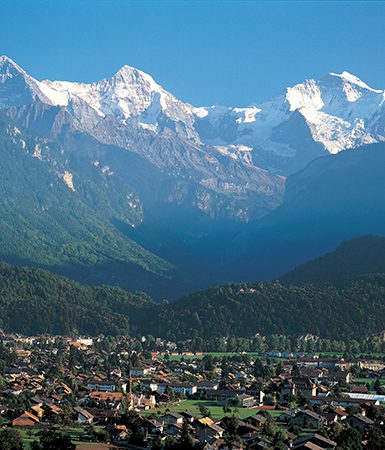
(371, 381)
(358, 355)
(31, 435)
(192, 406)
(272, 358)
(214, 354)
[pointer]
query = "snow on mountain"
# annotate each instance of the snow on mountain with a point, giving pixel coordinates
(340, 111)
(131, 111)
(17, 88)
(343, 114)
(129, 94)
(233, 151)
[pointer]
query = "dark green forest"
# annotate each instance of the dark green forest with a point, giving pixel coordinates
(36, 301)
(365, 254)
(353, 310)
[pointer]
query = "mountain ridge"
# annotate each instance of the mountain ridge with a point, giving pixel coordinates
(169, 144)
(340, 111)
(193, 189)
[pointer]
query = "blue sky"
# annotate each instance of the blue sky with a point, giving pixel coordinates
(204, 52)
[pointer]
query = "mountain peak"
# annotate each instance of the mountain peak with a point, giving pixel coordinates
(352, 79)
(128, 69)
(8, 67)
(135, 76)
(18, 88)
(6, 59)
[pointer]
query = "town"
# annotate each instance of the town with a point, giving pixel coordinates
(121, 392)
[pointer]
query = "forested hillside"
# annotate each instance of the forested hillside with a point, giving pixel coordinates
(35, 301)
(353, 310)
(354, 257)
(52, 218)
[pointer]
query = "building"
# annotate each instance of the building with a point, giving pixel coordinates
(315, 439)
(106, 386)
(308, 419)
(245, 400)
(359, 421)
(178, 388)
(370, 364)
(83, 416)
(172, 419)
(140, 371)
(26, 420)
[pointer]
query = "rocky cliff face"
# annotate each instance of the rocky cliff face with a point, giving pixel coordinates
(131, 111)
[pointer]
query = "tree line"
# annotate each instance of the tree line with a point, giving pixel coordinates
(332, 317)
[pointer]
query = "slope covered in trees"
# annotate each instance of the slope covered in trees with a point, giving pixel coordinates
(354, 257)
(35, 301)
(51, 217)
(352, 310)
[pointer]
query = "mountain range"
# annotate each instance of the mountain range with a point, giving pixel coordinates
(120, 182)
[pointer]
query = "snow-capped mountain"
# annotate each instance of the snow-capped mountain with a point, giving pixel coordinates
(131, 111)
(123, 176)
(17, 88)
(130, 94)
(240, 153)
(338, 112)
